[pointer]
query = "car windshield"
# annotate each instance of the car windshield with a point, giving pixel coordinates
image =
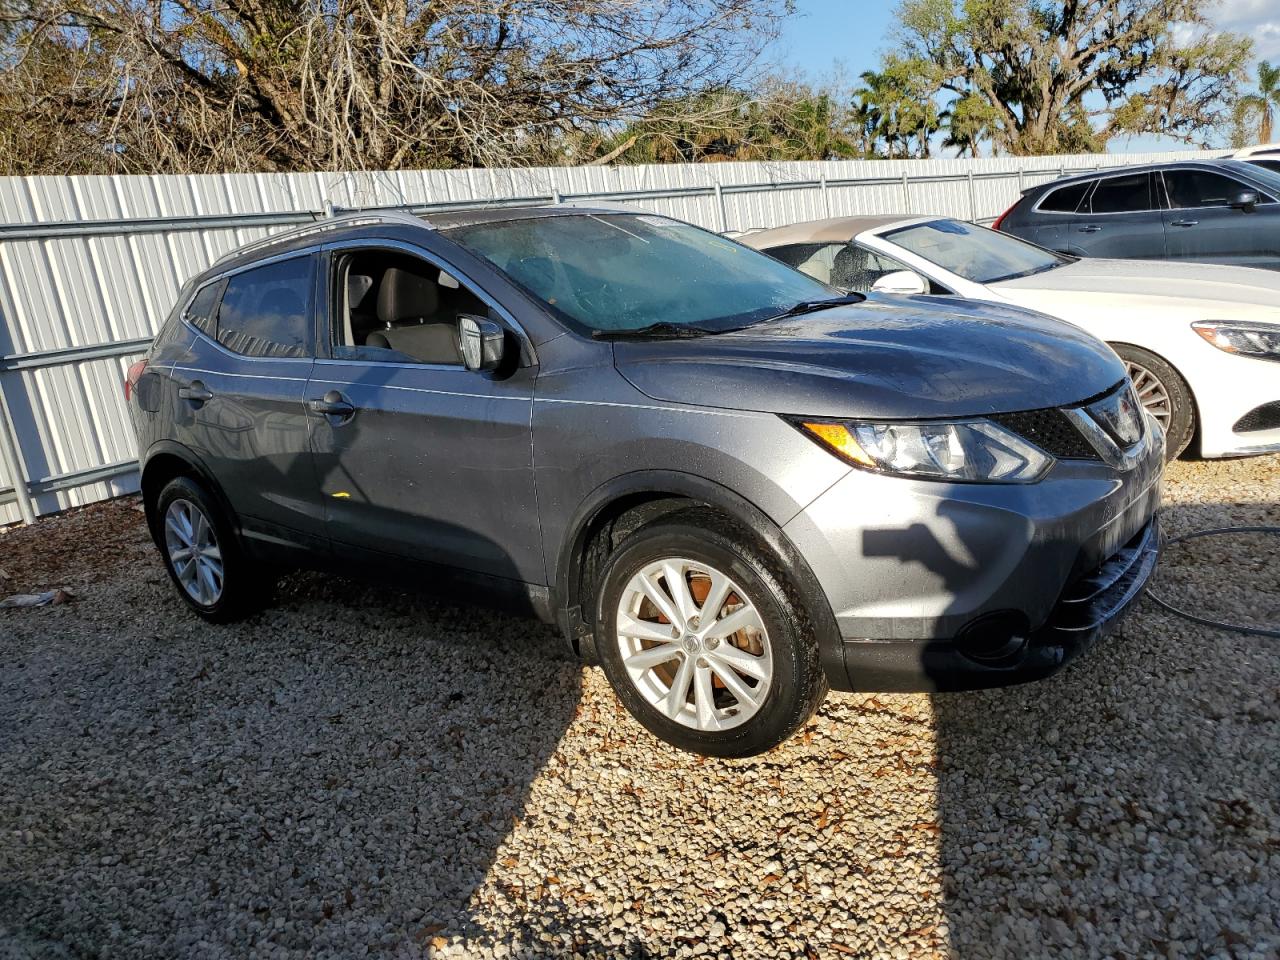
(974, 252)
(608, 273)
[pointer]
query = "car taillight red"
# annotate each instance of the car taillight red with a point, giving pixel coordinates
(1000, 219)
(132, 377)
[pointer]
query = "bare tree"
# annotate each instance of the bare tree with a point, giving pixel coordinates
(200, 85)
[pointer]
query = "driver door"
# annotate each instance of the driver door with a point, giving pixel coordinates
(417, 456)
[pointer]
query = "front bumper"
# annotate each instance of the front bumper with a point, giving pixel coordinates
(1088, 609)
(915, 572)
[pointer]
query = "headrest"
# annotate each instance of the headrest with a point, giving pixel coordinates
(358, 287)
(405, 295)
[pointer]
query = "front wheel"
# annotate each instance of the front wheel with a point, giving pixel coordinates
(1163, 394)
(703, 638)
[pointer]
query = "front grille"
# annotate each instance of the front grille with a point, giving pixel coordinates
(1265, 417)
(1051, 431)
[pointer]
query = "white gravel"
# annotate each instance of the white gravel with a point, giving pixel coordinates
(359, 771)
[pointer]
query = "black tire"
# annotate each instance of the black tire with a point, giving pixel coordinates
(245, 586)
(1181, 426)
(797, 686)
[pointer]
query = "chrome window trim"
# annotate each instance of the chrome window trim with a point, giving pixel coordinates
(1115, 213)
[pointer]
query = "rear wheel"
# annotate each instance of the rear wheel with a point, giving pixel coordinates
(203, 556)
(703, 638)
(1163, 394)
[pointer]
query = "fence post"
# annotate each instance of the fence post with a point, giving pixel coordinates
(1022, 180)
(11, 455)
(724, 214)
(826, 197)
(973, 201)
(906, 192)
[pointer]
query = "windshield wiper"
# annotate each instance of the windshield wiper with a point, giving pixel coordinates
(811, 306)
(662, 330)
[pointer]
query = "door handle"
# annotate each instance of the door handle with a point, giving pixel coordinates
(196, 392)
(1185, 223)
(332, 404)
(1091, 228)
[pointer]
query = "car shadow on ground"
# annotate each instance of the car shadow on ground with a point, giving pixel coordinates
(336, 772)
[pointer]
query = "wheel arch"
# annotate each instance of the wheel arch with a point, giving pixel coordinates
(620, 505)
(166, 460)
(1197, 416)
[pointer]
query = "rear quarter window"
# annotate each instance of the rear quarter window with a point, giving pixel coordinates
(202, 311)
(1066, 199)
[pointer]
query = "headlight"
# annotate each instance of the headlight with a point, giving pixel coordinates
(1261, 340)
(957, 450)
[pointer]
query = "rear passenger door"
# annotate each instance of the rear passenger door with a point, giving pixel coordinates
(1201, 224)
(1120, 218)
(417, 456)
(240, 389)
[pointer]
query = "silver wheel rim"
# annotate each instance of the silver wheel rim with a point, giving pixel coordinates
(1151, 392)
(193, 552)
(694, 645)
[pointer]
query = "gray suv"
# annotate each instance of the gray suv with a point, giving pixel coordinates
(729, 485)
(1212, 211)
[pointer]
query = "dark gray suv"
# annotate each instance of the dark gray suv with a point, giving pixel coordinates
(1212, 211)
(728, 484)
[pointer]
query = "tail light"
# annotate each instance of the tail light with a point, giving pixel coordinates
(132, 377)
(1000, 219)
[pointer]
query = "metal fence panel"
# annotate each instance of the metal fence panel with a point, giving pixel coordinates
(88, 262)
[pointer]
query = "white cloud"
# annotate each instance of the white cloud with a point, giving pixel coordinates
(1259, 19)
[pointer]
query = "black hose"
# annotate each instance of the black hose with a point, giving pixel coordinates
(1205, 621)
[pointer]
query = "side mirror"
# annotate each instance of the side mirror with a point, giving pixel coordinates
(901, 281)
(482, 342)
(1245, 200)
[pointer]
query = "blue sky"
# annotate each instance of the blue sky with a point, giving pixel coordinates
(853, 33)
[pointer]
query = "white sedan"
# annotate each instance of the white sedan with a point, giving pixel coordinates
(1202, 342)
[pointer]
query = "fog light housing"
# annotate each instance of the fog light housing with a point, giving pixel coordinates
(995, 637)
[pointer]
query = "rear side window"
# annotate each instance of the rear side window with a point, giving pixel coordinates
(266, 311)
(1130, 194)
(1267, 164)
(1200, 188)
(1066, 199)
(202, 313)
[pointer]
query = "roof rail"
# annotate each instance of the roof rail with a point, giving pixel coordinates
(340, 221)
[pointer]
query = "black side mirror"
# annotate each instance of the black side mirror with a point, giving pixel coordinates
(1245, 200)
(482, 340)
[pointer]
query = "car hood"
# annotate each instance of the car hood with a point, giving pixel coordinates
(1249, 291)
(890, 357)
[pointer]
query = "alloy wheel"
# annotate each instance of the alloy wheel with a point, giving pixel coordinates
(193, 552)
(694, 644)
(1152, 393)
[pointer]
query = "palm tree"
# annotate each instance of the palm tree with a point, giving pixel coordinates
(1265, 101)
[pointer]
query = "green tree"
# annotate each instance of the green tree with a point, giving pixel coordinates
(1263, 103)
(1059, 75)
(896, 105)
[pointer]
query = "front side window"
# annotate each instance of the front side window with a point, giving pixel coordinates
(844, 265)
(1130, 194)
(1190, 189)
(393, 306)
(974, 252)
(618, 272)
(266, 311)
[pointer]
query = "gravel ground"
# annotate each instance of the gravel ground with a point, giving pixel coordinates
(359, 771)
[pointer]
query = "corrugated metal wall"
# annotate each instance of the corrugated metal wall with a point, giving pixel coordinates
(96, 261)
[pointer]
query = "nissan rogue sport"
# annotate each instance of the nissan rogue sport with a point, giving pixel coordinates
(729, 485)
